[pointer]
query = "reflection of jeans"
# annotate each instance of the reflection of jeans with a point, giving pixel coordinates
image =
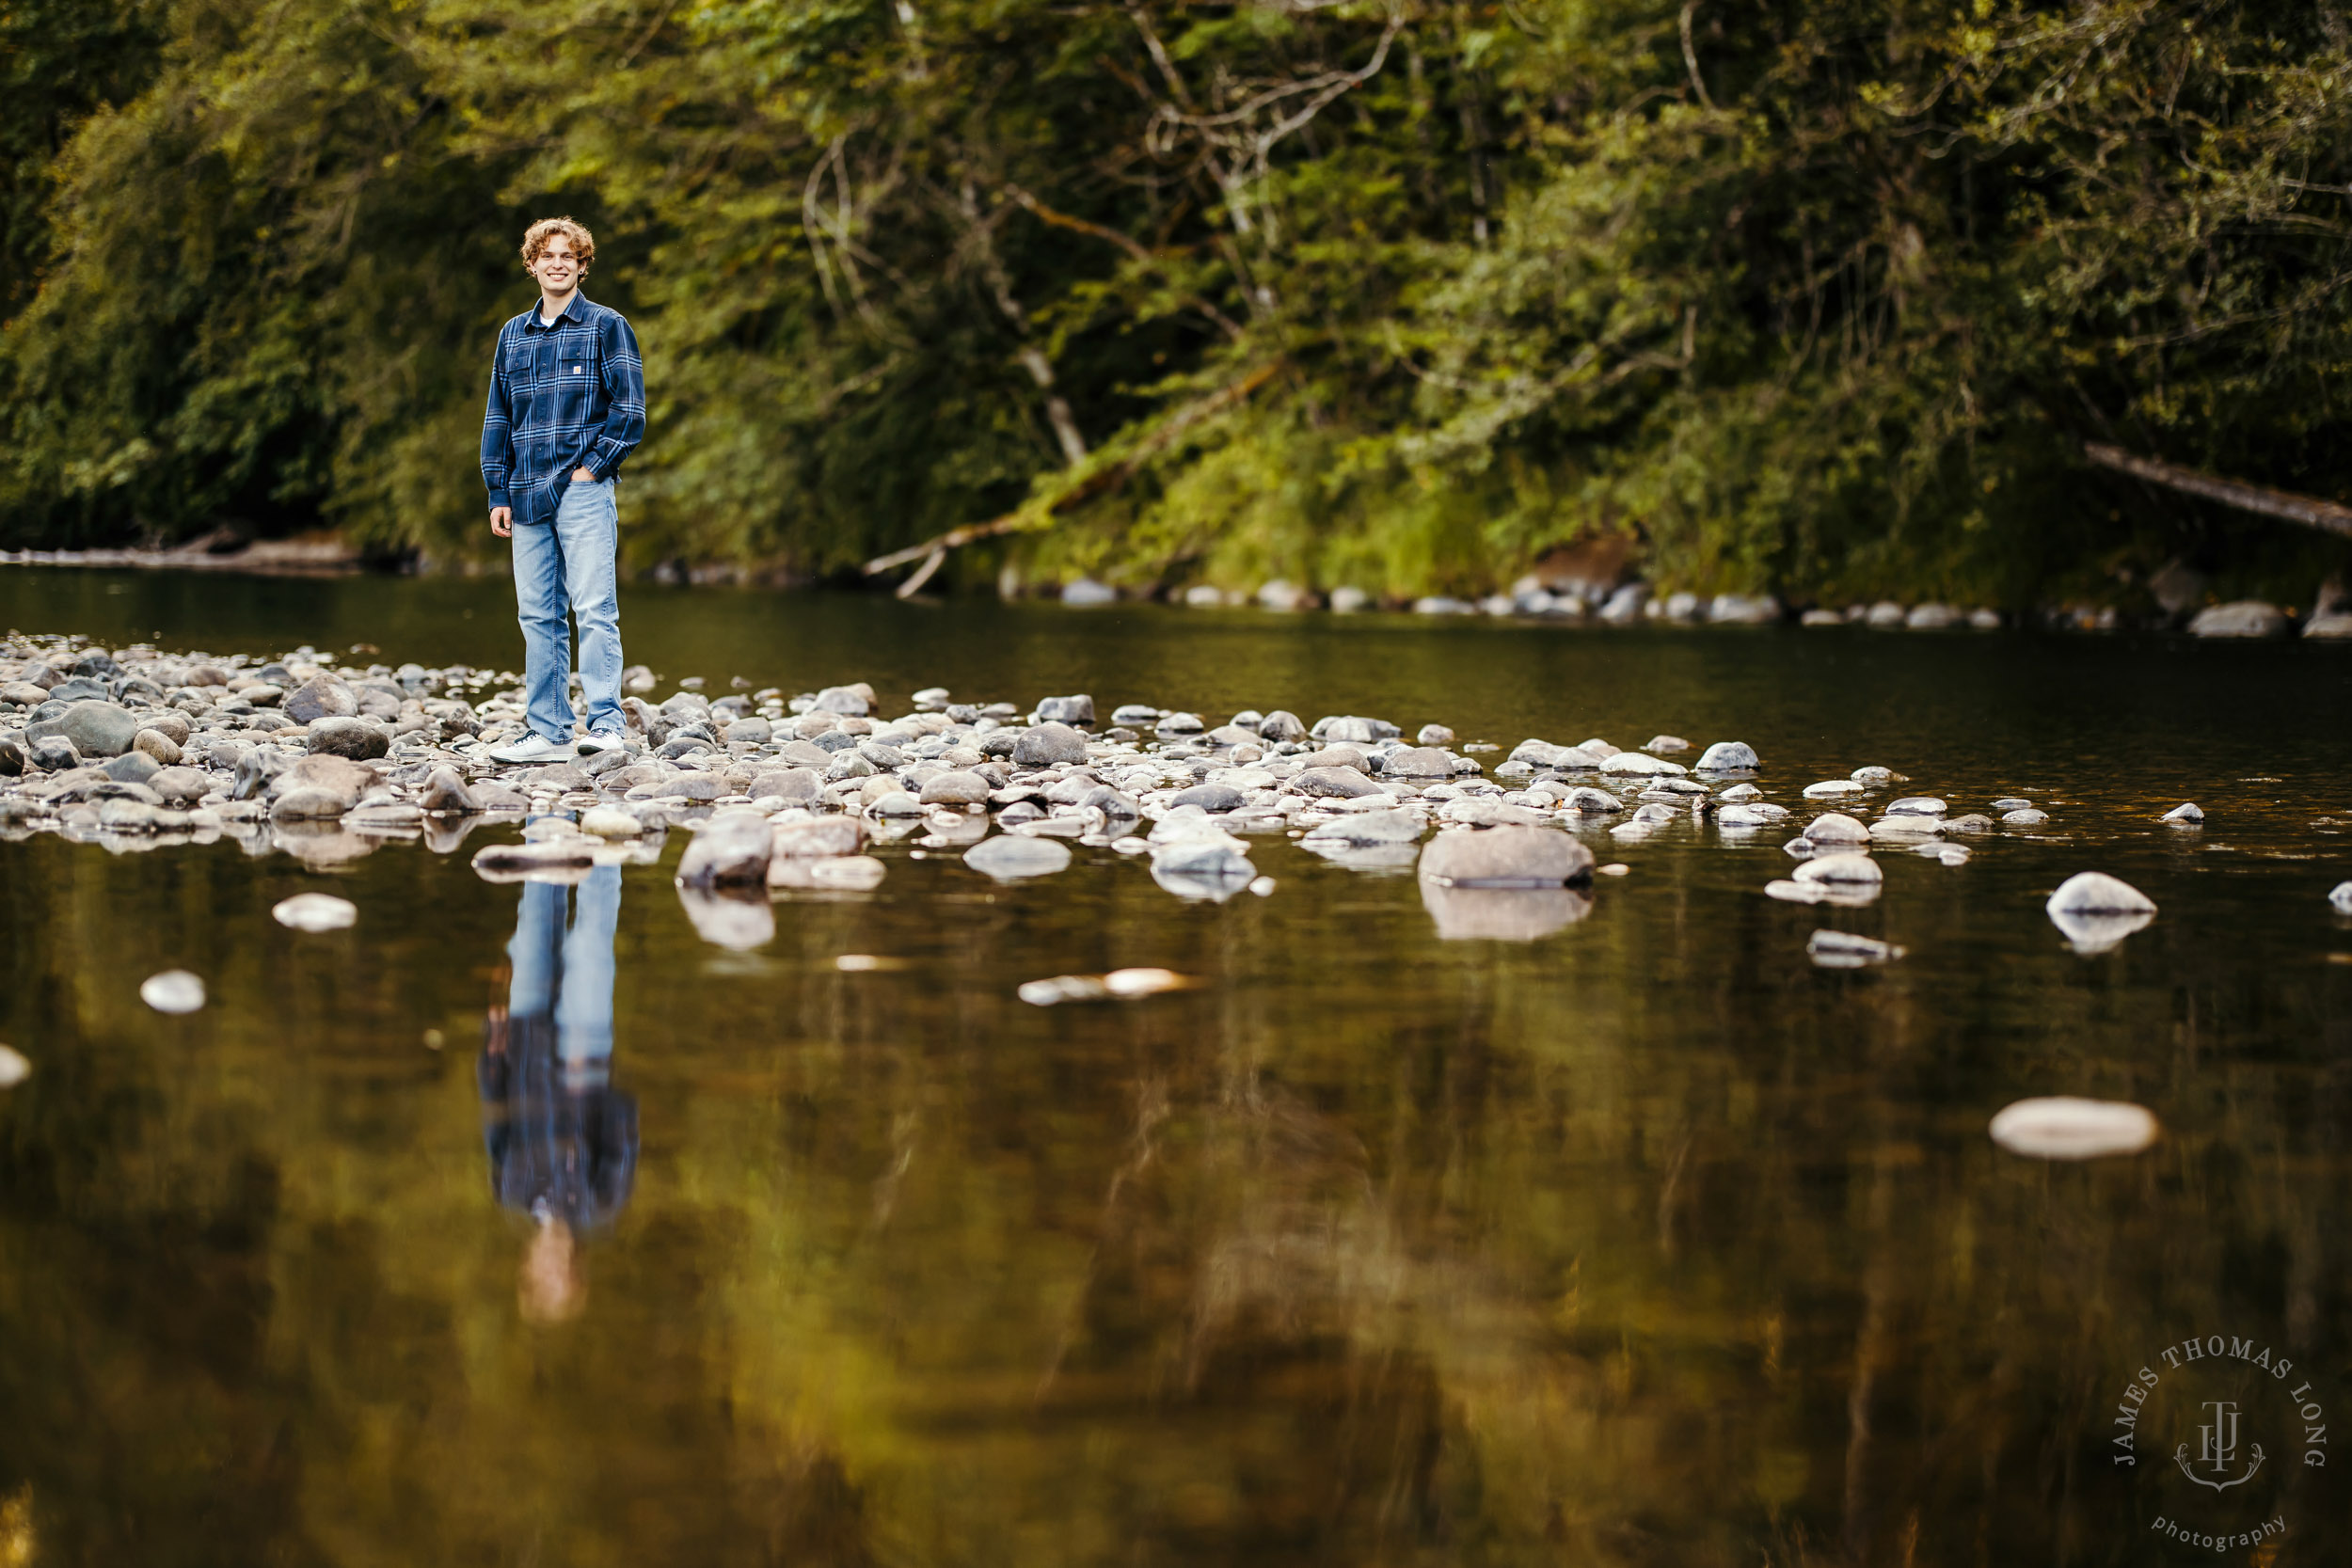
(562, 1140)
(568, 564)
(569, 976)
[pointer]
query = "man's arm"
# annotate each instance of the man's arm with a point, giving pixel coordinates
(496, 445)
(625, 397)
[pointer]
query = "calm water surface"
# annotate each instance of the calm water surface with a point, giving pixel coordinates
(1642, 1242)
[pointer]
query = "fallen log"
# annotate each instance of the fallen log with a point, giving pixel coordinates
(1090, 484)
(2308, 510)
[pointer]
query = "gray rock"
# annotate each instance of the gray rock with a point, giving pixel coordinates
(2011, 803)
(156, 744)
(1365, 827)
(694, 786)
(127, 815)
(756, 730)
(78, 688)
(956, 789)
(493, 796)
(307, 803)
(853, 701)
(1849, 869)
(1343, 783)
(1066, 711)
(1047, 746)
(893, 802)
(1208, 855)
(819, 839)
(1916, 805)
(2188, 814)
(1281, 726)
(1335, 756)
(789, 785)
(1420, 762)
(1728, 756)
(1348, 727)
(95, 729)
(2244, 618)
(1836, 828)
(356, 739)
(1209, 797)
(804, 753)
(732, 847)
(2024, 816)
(175, 991)
(2341, 898)
(1584, 797)
(1009, 856)
(320, 697)
(180, 786)
(445, 793)
(847, 766)
(133, 767)
(2095, 911)
(1435, 735)
(1505, 857)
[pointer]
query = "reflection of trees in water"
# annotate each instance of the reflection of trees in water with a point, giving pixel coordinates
(1501, 1259)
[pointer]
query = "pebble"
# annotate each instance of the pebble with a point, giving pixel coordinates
(314, 911)
(2064, 1128)
(174, 991)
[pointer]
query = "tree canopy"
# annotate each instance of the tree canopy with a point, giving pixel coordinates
(1818, 297)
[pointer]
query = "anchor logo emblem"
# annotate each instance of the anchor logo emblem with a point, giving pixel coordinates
(2217, 1449)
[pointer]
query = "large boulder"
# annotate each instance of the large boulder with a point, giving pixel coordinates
(732, 847)
(1505, 857)
(96, 729)
(1048, 745)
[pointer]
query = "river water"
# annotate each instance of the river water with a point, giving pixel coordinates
(1642, 1242)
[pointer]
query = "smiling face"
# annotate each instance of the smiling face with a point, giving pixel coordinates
(557, 268)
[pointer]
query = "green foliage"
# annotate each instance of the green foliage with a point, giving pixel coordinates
(1816, 297)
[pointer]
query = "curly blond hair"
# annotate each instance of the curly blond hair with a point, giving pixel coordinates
(536, 240)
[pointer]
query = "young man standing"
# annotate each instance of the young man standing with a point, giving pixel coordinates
(568, 405)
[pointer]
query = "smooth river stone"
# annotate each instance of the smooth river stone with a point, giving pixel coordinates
(1504, 858)
(1836, 828)
(2096, 911)
(96, 729)
(1048, 745)
(1638, 764)
(314, 911)
(1420, 762)
(1014, 855)
(174, 991)
(1728, 756)
(2065, 1128)
(1848, 869)
(1339, 783)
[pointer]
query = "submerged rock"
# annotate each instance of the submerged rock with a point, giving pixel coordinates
(14, 1069)
(2244, 618)
(2341, 898)
(1845, 950)
(1502, 914)
(2186, 814)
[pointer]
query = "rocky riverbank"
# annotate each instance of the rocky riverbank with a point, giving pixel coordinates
(137, 749)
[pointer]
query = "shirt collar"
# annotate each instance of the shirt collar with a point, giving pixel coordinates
(576, 312)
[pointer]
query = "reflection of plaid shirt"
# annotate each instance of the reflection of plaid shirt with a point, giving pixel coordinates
(562, 397)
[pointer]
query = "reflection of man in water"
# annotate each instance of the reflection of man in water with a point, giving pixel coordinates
(563, 1141)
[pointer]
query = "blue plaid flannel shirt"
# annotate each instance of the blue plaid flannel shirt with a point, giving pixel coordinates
(566, 396)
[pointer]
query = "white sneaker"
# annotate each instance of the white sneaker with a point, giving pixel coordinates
(602, 740)
(534, 747)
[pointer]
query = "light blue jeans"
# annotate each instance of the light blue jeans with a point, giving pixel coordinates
(569, 976)
(569, 565)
